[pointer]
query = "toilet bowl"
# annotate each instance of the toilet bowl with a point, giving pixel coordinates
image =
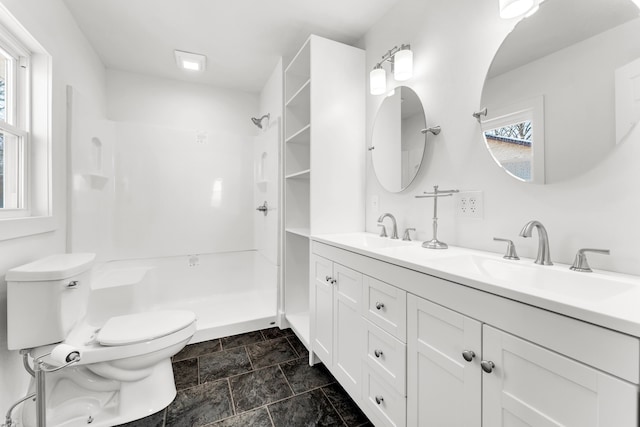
(124, 371)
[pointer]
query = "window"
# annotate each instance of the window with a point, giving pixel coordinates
(25, 132)
(13, 130)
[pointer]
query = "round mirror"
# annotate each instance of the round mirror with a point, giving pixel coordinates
(563, 89)
(397, 142)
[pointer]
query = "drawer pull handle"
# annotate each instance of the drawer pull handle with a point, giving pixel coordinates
(468, 355)
(487, 366)
(378, 353)
(379, 399)
(379, 305)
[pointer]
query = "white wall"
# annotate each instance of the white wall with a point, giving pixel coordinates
(453, 45)
(75, 63)
(183, 167)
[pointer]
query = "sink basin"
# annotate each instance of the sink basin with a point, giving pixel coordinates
(524, 275)
(368, 241)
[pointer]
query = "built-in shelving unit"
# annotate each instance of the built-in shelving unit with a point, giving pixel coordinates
(323, 160)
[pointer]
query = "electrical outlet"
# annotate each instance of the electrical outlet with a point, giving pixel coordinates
(469, 204)
(375, 207)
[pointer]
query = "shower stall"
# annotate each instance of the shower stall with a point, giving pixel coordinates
(176, 216)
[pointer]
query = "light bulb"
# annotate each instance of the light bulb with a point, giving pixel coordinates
(403, 64)
(512, 8)
(378, 81)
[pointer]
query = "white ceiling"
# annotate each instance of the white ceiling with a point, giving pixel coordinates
(242, 39)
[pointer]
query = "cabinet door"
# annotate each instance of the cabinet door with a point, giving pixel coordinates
(533, 386)
(348, 329)
(443, 389)
(323, 311)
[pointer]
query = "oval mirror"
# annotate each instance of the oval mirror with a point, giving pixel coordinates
(563, 89)
(397, 141)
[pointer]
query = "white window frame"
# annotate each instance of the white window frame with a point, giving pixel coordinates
(31, 122)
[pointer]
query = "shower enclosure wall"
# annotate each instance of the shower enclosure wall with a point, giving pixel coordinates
(179, 205)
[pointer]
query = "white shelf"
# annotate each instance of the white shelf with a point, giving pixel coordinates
(302, 95)
(299, 322)
(303, 136)
(305, 174)
(304, 232)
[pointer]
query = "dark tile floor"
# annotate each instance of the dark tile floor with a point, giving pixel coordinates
(257, 379)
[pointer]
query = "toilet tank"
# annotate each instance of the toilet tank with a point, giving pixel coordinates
(46, 298)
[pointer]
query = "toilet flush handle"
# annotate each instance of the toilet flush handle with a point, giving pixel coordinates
(73, 284)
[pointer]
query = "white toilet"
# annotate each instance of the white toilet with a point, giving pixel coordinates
(124, 372)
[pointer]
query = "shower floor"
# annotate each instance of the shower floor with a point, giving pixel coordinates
(258, 379)
(230, 314)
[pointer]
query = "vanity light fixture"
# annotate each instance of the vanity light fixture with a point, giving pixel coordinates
(514, 8)
(190, 61)
(401, 59)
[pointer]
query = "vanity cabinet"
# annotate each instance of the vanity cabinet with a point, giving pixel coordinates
(437, 353)
(323, 165)
(338, 332)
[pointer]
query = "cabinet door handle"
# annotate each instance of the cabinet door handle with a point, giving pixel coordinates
(379, 399)
(379, 305)
(468, 355)
(487, 366)
(334, 281)
(377, 352)
(327, 279)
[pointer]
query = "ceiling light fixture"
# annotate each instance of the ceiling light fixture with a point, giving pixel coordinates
(190, 61)
(401, 66)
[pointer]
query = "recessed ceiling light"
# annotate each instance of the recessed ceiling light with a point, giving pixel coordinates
(190, 61)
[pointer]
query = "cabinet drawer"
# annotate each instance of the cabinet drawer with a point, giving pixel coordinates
(381, 398)
(386, 306)
(386, 356)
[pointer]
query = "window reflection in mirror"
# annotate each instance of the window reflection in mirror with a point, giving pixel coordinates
(511, 147)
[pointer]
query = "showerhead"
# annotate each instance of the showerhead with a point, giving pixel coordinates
(258, 122)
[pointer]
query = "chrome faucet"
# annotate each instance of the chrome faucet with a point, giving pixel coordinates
(544, 256)
(394, 230)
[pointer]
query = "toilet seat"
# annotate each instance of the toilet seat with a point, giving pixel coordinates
(141, 327)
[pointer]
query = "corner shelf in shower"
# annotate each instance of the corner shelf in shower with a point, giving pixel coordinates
(96, 180)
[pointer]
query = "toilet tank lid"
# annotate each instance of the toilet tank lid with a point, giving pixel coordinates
(53, 267)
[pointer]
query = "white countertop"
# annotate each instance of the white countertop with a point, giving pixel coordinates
(607, 299)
